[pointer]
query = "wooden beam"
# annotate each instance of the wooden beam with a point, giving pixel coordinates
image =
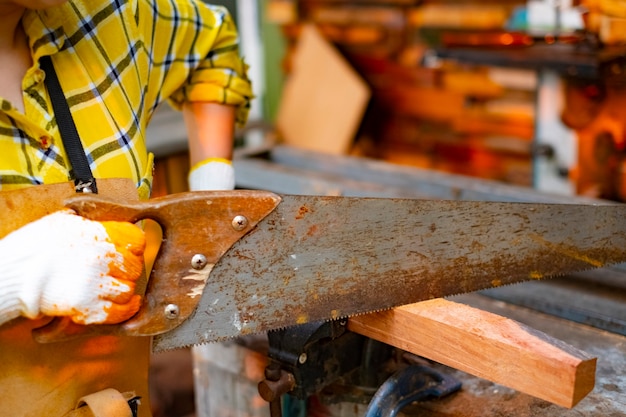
(486, 345)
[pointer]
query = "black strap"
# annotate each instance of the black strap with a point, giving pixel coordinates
(83, 178)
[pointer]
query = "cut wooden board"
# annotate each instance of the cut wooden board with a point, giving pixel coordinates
(323, 99)
(486, 345)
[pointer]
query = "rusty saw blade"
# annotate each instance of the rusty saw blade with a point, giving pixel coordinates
(325, 258)
(269, 261)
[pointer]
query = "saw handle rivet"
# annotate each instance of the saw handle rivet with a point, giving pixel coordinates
(240, 222)
(171, 311)
(198, 261)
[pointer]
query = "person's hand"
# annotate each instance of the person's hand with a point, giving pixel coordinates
(66, 265)
(212, 174)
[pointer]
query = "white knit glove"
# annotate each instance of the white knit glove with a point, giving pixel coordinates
(211, 175)
(65, 265)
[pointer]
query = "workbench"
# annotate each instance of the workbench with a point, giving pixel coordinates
(586, 310)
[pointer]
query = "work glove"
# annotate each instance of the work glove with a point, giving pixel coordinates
(66, 265)
(212, 174)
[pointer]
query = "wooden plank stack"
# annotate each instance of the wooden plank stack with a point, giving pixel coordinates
(444, 115)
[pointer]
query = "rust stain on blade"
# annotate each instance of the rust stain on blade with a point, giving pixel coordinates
(569, 251)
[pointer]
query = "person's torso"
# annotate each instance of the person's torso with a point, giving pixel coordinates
(104, 71)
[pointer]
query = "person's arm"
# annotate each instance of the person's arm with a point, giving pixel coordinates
(212, 90)
(210, 131)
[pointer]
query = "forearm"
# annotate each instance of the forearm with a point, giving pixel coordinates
(210, 130)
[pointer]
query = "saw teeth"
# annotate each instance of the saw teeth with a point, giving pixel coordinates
(204, 341)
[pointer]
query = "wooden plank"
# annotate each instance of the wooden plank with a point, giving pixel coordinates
(260, 174)
(474, 16)
(352, 34)
(485, 345)
(349, 15)
(323, 99)
(479, 122)
(473, 83)
(373, 69)
(431, 184)
(481, 398)
(423, 102)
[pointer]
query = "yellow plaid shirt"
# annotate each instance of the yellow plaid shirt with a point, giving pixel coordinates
(117, 60)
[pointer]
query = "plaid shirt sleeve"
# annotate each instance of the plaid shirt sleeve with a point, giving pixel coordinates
(197, 43)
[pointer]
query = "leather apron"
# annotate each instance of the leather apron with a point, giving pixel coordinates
(38, 380)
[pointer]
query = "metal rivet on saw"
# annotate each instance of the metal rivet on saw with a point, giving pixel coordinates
(171, 311)
(240, 222)
(198, 261)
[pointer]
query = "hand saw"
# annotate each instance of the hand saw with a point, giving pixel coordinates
(240, 262)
